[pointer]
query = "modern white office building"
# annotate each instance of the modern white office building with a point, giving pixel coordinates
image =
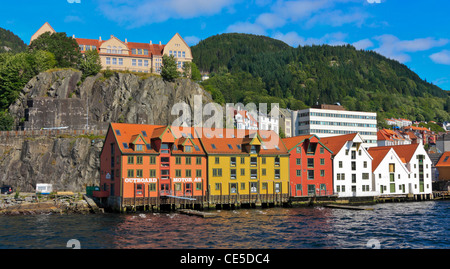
(332, 120)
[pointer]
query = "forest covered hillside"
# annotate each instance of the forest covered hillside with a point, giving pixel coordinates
(249, 68)
(9, 42)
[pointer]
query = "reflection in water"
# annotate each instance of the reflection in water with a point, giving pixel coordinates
(402, 225)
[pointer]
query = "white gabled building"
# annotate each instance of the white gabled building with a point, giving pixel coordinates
(419, 164)
(352, 166)
(390, 175)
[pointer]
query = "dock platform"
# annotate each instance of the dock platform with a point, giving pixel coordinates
(202, 214)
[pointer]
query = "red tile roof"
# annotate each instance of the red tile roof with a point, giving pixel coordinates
(335, 143)
(377, 155)
(444, 161)
(405, 152)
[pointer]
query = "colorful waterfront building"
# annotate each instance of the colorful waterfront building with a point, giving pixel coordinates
(390, 174)
(310, 166)
(352, 165)
(246, 166)
(139, 164)
(416, 160)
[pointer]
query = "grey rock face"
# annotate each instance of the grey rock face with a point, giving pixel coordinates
(60, 98)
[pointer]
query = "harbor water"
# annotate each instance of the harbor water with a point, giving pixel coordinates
(411, 225)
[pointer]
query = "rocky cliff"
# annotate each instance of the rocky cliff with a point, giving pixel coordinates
(60, 99)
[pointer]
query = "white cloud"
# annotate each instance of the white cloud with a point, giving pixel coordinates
(191, 40)
(442, 57)
(394, 48)
(139, 13)
(294, 39)
(246, 27)
(270, 21)
(337, 18)
(363, 44)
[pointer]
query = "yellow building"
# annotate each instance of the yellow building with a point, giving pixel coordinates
(246, 167)
(116, 54)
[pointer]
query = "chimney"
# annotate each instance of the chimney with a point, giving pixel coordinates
(126, 41)
(151, 43)
(73, 36)
(100, 38)
(159, 42)
(112, 36)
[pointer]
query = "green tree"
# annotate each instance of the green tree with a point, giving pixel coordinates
(90, 63)
(169, 70)
(6, 121)
(65, 49)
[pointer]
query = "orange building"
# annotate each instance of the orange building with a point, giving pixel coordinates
(443, 166)
(142, 162)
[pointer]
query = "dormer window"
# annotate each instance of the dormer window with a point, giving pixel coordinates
(139, 148)
(187, 148)
(253, 149)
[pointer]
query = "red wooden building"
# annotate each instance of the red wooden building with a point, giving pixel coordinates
(310, 165)
(139, 164)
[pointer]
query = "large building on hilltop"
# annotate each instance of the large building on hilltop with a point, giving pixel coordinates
(116, 54)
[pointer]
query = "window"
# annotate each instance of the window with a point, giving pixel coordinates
(322, 161)
(264, 186)
(310, 174)
(340, 164)
(152, 173)
(178, 173)
(108, 60)
(353, 178)
(253, 173)
(120, 61)
(146, 63)
(114, 61)
(353, 166)
(130, 159)
(233, 173)
(242, 171)
(198, 186)
(353, 155)
(213, 146)
(217, 172)
(218, 186)
(198, 160)
(233, 161)
(139, 173)
(263, 160)
(322, 150)
(139, 62)
(253, 149)
(152, 187)
(310, 163)
(139, 189)
(299, 173)
(188, 160)
(217, 160)
(178, 160)
(277, 173)
(242, 160)
(277, 161)
(365, 164)
(253, 187)
(392, 168)
(253, 161)
(366, 176)
(263, 171)
(152, 160)
(130, 173)
(133, 62)
(184, 54)
(299, 161)
(198, 173)
(230, 147)
(139, 147)
(233, 187)
(188, 173)
(322, 173)
(139, 160)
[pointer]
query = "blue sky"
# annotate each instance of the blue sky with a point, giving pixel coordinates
(414, 32)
